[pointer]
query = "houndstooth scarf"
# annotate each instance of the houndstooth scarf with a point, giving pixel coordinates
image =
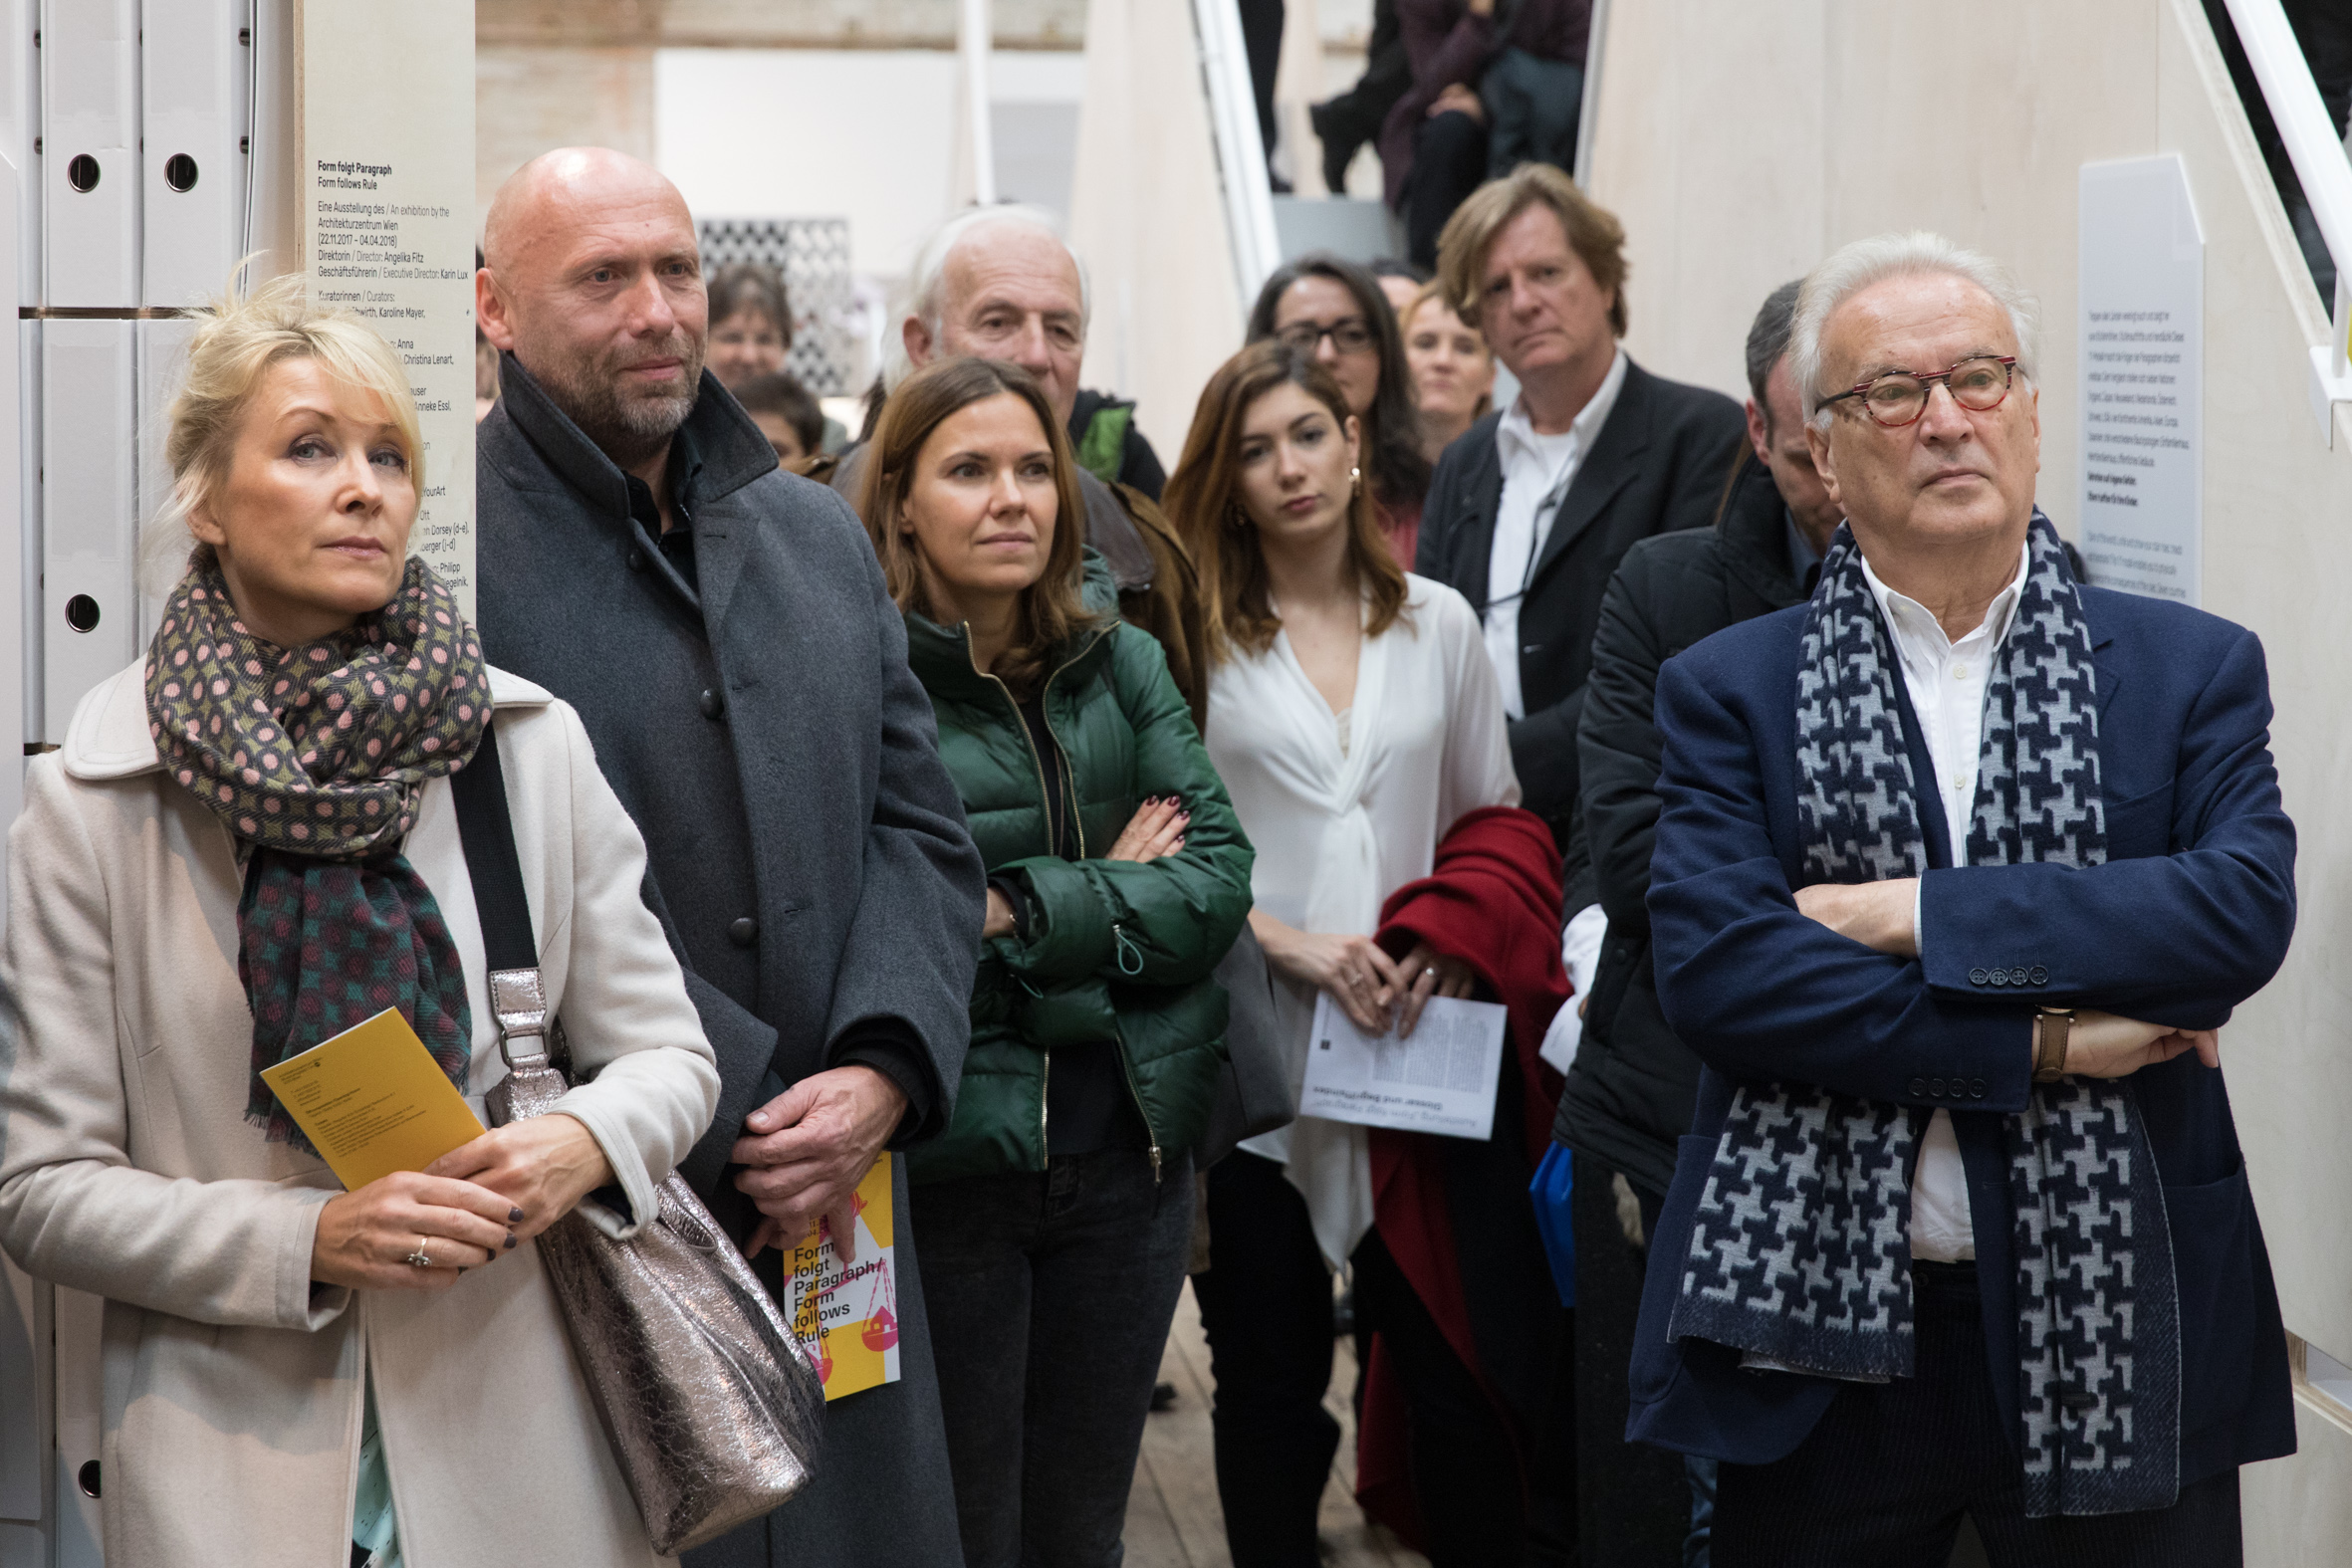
(316, 756)
(1801, 1252)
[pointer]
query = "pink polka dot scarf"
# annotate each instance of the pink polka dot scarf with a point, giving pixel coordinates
(318, 756)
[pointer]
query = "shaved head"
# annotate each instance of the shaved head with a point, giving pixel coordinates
(592, 279)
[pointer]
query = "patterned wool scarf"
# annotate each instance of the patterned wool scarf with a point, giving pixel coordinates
(1800, 1254)
(317, 756)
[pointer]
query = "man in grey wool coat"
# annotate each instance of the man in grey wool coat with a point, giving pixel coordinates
(723, 630)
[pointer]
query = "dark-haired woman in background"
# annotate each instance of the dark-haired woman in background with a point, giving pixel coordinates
(1355, 719)
(1335, 312)
(1117, 879)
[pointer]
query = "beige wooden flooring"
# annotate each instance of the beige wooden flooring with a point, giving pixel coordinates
(1173, 1520)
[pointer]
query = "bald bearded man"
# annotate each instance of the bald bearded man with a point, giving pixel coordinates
(723, 629)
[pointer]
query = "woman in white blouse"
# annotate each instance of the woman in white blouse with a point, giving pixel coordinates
(1354, 717)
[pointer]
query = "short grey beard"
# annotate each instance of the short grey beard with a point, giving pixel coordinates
(630, 431)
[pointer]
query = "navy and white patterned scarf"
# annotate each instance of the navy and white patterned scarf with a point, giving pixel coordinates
(1800, 1253)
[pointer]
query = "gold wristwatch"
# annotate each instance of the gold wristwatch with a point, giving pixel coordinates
(2052, 1026)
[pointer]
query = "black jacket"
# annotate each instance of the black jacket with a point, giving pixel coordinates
(1630, 1092)
(1658, 464)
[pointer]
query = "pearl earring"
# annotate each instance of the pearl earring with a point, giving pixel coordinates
(1355, 481)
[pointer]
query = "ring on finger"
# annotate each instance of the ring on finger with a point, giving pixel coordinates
(418, 1258)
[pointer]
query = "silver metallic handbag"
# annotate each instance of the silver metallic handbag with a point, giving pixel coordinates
(711, 1405)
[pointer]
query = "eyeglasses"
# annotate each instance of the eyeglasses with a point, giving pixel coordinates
(1348, 334)
(1898, 397)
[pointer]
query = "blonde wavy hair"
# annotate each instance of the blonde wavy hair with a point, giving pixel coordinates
(238, 338)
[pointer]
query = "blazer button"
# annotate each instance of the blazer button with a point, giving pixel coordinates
(743, 931)
(2038, 974)
(1918, 1088)
(1936, 1088)
(2017, 977)
(1979, 976)
(1975, 1088)
(713, 705)
(636, 560)
(2001, 977)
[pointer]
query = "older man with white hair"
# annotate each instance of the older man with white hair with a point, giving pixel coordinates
(1960, 866)
(1000, 283)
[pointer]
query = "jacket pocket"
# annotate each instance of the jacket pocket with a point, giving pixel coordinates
(2211, 1227)
(2140, 825)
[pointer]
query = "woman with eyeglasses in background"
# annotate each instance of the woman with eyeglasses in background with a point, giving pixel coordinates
(1333, 311)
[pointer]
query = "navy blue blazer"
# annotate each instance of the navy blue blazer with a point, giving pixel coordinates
(2190, 916)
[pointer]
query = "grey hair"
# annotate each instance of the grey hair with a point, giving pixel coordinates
(1768, 340)
(921, 301)
(1857, 266)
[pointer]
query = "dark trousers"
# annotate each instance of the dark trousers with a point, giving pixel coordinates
(1266, 1303)
(1050, 1297)
(1532, 108)
(1885, 1478)
(1449, 163)
(1641, 1515)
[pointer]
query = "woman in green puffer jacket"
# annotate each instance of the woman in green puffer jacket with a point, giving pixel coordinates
(1055, 1212)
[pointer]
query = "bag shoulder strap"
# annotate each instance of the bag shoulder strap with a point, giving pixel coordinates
(486, 830)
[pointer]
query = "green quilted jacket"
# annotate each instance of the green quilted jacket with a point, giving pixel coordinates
(1116, 954)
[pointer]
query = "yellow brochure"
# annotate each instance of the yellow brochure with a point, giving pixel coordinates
(372, 1102)
(846, 1314)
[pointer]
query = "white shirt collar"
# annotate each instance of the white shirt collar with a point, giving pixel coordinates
(1515, 436)
(1915, 628)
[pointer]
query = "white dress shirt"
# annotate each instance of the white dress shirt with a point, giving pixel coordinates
(1946, 683)
(1537, 473)
(1345, 810)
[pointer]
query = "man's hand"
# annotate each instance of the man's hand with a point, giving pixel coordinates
(1875, 914)
(2106, 1045)
(809, 1148)
(1458, 99)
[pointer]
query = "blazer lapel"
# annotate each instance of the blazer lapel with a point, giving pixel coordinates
(1475, 535)
(1608, 468)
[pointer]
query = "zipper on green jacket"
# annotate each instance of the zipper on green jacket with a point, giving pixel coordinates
(1136, 1090)
(1078, 822)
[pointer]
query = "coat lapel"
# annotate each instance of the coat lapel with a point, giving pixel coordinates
(1475, 533)
(1610, 466)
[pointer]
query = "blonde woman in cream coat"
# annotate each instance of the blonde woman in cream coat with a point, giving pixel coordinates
(251, 1303)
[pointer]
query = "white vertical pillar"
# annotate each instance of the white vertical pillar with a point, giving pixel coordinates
(975, 42)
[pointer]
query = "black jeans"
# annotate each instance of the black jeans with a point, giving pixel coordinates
(1266, 1303)
(1884, 1478)
(1049, 1298)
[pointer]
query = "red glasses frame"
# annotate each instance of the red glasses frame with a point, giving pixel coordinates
(1927, 380)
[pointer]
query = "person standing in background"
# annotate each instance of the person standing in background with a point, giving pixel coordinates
(1452, 370)
(1433, 141)
(1533, 89)
(725, 632)
(791, 419)
(1530, 512)
(750, 323)
(1337, 314)
(1632, 1084)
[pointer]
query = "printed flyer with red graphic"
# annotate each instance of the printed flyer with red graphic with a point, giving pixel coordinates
(846, 1314)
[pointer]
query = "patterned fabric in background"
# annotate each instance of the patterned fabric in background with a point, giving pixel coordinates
(1800, 1249)
(316, 756)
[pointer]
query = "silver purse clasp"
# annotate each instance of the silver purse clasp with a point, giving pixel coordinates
(518, 1001)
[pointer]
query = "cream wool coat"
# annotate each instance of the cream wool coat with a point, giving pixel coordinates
(233, 1385)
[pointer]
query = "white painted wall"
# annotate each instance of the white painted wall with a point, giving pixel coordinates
(1739, 143)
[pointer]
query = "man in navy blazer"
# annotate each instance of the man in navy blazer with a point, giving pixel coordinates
(1952, 1009)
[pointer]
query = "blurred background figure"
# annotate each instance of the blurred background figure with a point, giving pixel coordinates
(1533, 89)
(787, 413)
(1399, 280)
(1335, 312)
(1452, 370)
(1433, 142)
(750, 323)
(1345, 122)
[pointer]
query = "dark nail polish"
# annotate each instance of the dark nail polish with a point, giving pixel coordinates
(510, 1240)
(514, 1217)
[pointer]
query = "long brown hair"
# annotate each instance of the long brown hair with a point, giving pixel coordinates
(1050, 610)
(1204, 501)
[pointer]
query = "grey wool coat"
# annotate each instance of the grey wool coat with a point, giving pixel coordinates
(808, 851)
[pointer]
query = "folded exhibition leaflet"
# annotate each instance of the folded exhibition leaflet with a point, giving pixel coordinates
(1441, 1080)
(848, 1313)
(372, 1102)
